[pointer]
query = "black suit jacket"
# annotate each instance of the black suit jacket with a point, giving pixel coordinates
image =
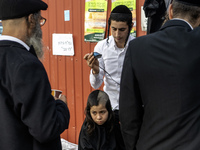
(30, 118)
(99, 140)
(159, 101)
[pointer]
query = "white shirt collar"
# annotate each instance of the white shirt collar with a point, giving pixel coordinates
(115, 45)
(11, 38)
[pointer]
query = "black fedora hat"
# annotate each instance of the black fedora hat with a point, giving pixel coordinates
(10, 9)
(190, 2)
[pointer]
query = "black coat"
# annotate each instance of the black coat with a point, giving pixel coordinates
(99, 140)
(159, 101)
(30, 118)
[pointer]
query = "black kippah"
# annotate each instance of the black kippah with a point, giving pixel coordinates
(190, 2)
(122, 9)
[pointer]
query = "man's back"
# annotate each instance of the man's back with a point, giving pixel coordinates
(166, 76)
(29, 119)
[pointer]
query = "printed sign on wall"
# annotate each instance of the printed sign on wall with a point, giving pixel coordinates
(63, 44)
(95, 20)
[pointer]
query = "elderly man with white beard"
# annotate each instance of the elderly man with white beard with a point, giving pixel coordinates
(31, 119)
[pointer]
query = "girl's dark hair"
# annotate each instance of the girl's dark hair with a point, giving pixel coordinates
(120, 13)
(94, 99)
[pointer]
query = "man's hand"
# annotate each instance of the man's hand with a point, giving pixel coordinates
(92, 62)
(62, 98)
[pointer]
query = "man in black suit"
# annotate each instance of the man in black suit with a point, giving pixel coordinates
(159, 103)
(31, 119)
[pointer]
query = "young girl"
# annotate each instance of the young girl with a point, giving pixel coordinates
(97, 130)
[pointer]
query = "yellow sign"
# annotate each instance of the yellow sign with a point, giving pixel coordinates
(95, 20)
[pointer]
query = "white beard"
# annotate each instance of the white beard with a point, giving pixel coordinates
(36, 41)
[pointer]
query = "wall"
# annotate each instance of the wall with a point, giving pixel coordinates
(71, 73)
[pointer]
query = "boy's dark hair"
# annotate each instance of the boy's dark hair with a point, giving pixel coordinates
(95, 98)
(123, 14)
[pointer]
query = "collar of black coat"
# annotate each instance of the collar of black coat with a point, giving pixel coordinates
(176, 22)
(7, 43)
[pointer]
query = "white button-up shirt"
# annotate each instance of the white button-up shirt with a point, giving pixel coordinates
(112, 62)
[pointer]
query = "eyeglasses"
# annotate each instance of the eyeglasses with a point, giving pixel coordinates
(42, 21)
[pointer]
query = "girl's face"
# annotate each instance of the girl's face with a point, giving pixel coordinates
(99, 114)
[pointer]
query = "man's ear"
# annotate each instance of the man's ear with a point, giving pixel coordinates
(131, 26)
(170, 11)
(31, 21)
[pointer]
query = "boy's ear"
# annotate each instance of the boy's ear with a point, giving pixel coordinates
(131, 26)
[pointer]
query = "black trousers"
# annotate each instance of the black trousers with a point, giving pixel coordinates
(118, 135)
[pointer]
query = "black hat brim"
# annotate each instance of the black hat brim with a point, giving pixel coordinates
(10, 9)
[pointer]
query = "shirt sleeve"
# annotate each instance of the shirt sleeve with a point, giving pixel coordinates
(96, 80)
